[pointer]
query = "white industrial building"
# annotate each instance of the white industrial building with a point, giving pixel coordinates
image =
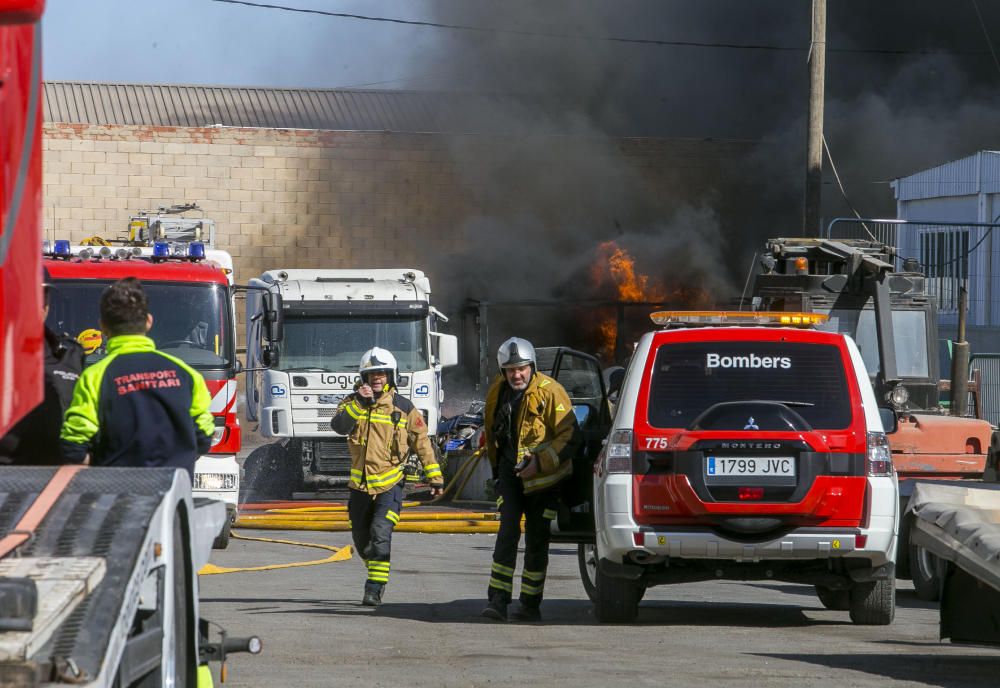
(961, 191)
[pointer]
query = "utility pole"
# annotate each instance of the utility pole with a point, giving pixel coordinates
(814, 146)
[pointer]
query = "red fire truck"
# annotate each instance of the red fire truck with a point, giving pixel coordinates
(190, 296)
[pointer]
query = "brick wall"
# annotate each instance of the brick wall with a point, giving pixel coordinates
(305, 198)
(280, 198)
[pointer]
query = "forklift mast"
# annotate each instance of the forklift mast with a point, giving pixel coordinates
(888, 312)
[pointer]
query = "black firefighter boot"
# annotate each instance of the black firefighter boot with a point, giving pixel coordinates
(496, 608)
(373, 594)
(526, 612)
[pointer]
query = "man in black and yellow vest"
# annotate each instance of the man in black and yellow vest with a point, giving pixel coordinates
(137, 406)
(382, 428)
(531, 436)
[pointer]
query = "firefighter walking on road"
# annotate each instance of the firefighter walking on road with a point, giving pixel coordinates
(382, 428)
(531, 436)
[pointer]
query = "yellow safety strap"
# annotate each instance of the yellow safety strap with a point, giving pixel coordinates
(531, 589)
(546, 480)
(505, 570)
(502, 585)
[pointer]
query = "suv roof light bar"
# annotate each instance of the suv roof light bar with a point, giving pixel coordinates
(759, 318)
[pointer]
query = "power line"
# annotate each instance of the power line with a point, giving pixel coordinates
(986, 33)
(843, 192)
(587, 37)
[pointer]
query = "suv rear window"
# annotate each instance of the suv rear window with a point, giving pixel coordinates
(689, 378)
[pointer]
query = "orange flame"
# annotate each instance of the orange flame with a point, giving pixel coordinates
(615, 267)
(614, 264)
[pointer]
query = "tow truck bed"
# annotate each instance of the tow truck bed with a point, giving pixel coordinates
(93, 550)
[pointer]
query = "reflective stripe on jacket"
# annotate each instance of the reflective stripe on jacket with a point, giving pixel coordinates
(380, 437)
(546, 426)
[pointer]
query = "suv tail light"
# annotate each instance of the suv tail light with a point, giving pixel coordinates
(618, 453)
(879, 458)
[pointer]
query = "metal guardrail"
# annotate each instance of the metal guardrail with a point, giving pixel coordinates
(988, 366)
(884, 231)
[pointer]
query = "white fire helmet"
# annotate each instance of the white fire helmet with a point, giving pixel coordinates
(378, 359)
(516, 352)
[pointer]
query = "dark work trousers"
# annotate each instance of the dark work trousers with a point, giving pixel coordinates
(538, 508)
(372, 519)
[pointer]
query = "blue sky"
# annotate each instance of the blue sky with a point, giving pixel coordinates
(204, 42)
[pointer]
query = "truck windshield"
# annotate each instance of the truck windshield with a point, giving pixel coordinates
(336, 343)
(691, 378)
(190, 321)
(909, 331)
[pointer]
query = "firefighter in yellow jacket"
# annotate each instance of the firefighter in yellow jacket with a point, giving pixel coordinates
(531, 436)
(382, 428)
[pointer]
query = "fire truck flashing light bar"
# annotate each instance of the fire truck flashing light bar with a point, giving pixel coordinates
(162, 250)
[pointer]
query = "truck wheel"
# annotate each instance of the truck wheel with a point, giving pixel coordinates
(902, 544)
(222, 541)
(837, 600)
(927, 573)
(586, 557)
(617, 599)
(873, 603)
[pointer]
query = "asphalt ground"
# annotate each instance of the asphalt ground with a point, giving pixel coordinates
(428, 631)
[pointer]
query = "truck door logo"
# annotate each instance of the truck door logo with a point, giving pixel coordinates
(278, 390)
(422, 390)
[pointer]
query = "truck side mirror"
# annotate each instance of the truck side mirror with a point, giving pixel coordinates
(274, 330)
(447, 346)
(889, 422)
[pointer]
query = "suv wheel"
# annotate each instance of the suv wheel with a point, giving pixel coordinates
(617, 599)
(873, 603)
(586, 557)
(837, 600)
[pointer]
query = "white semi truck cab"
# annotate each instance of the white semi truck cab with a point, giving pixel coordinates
(306, 333)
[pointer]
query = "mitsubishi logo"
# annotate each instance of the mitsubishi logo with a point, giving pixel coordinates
(751, 424)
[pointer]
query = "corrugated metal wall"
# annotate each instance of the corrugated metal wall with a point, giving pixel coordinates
(958, 191)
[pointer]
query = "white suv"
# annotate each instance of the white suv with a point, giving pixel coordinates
(745, 446)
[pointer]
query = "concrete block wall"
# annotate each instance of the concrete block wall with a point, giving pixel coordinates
(280, 198)
(288, 198)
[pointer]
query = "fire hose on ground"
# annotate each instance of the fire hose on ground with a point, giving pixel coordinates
(333, 516)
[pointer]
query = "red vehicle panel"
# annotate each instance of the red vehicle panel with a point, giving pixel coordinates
(144, 270)
(668, 496)
(20, 210)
